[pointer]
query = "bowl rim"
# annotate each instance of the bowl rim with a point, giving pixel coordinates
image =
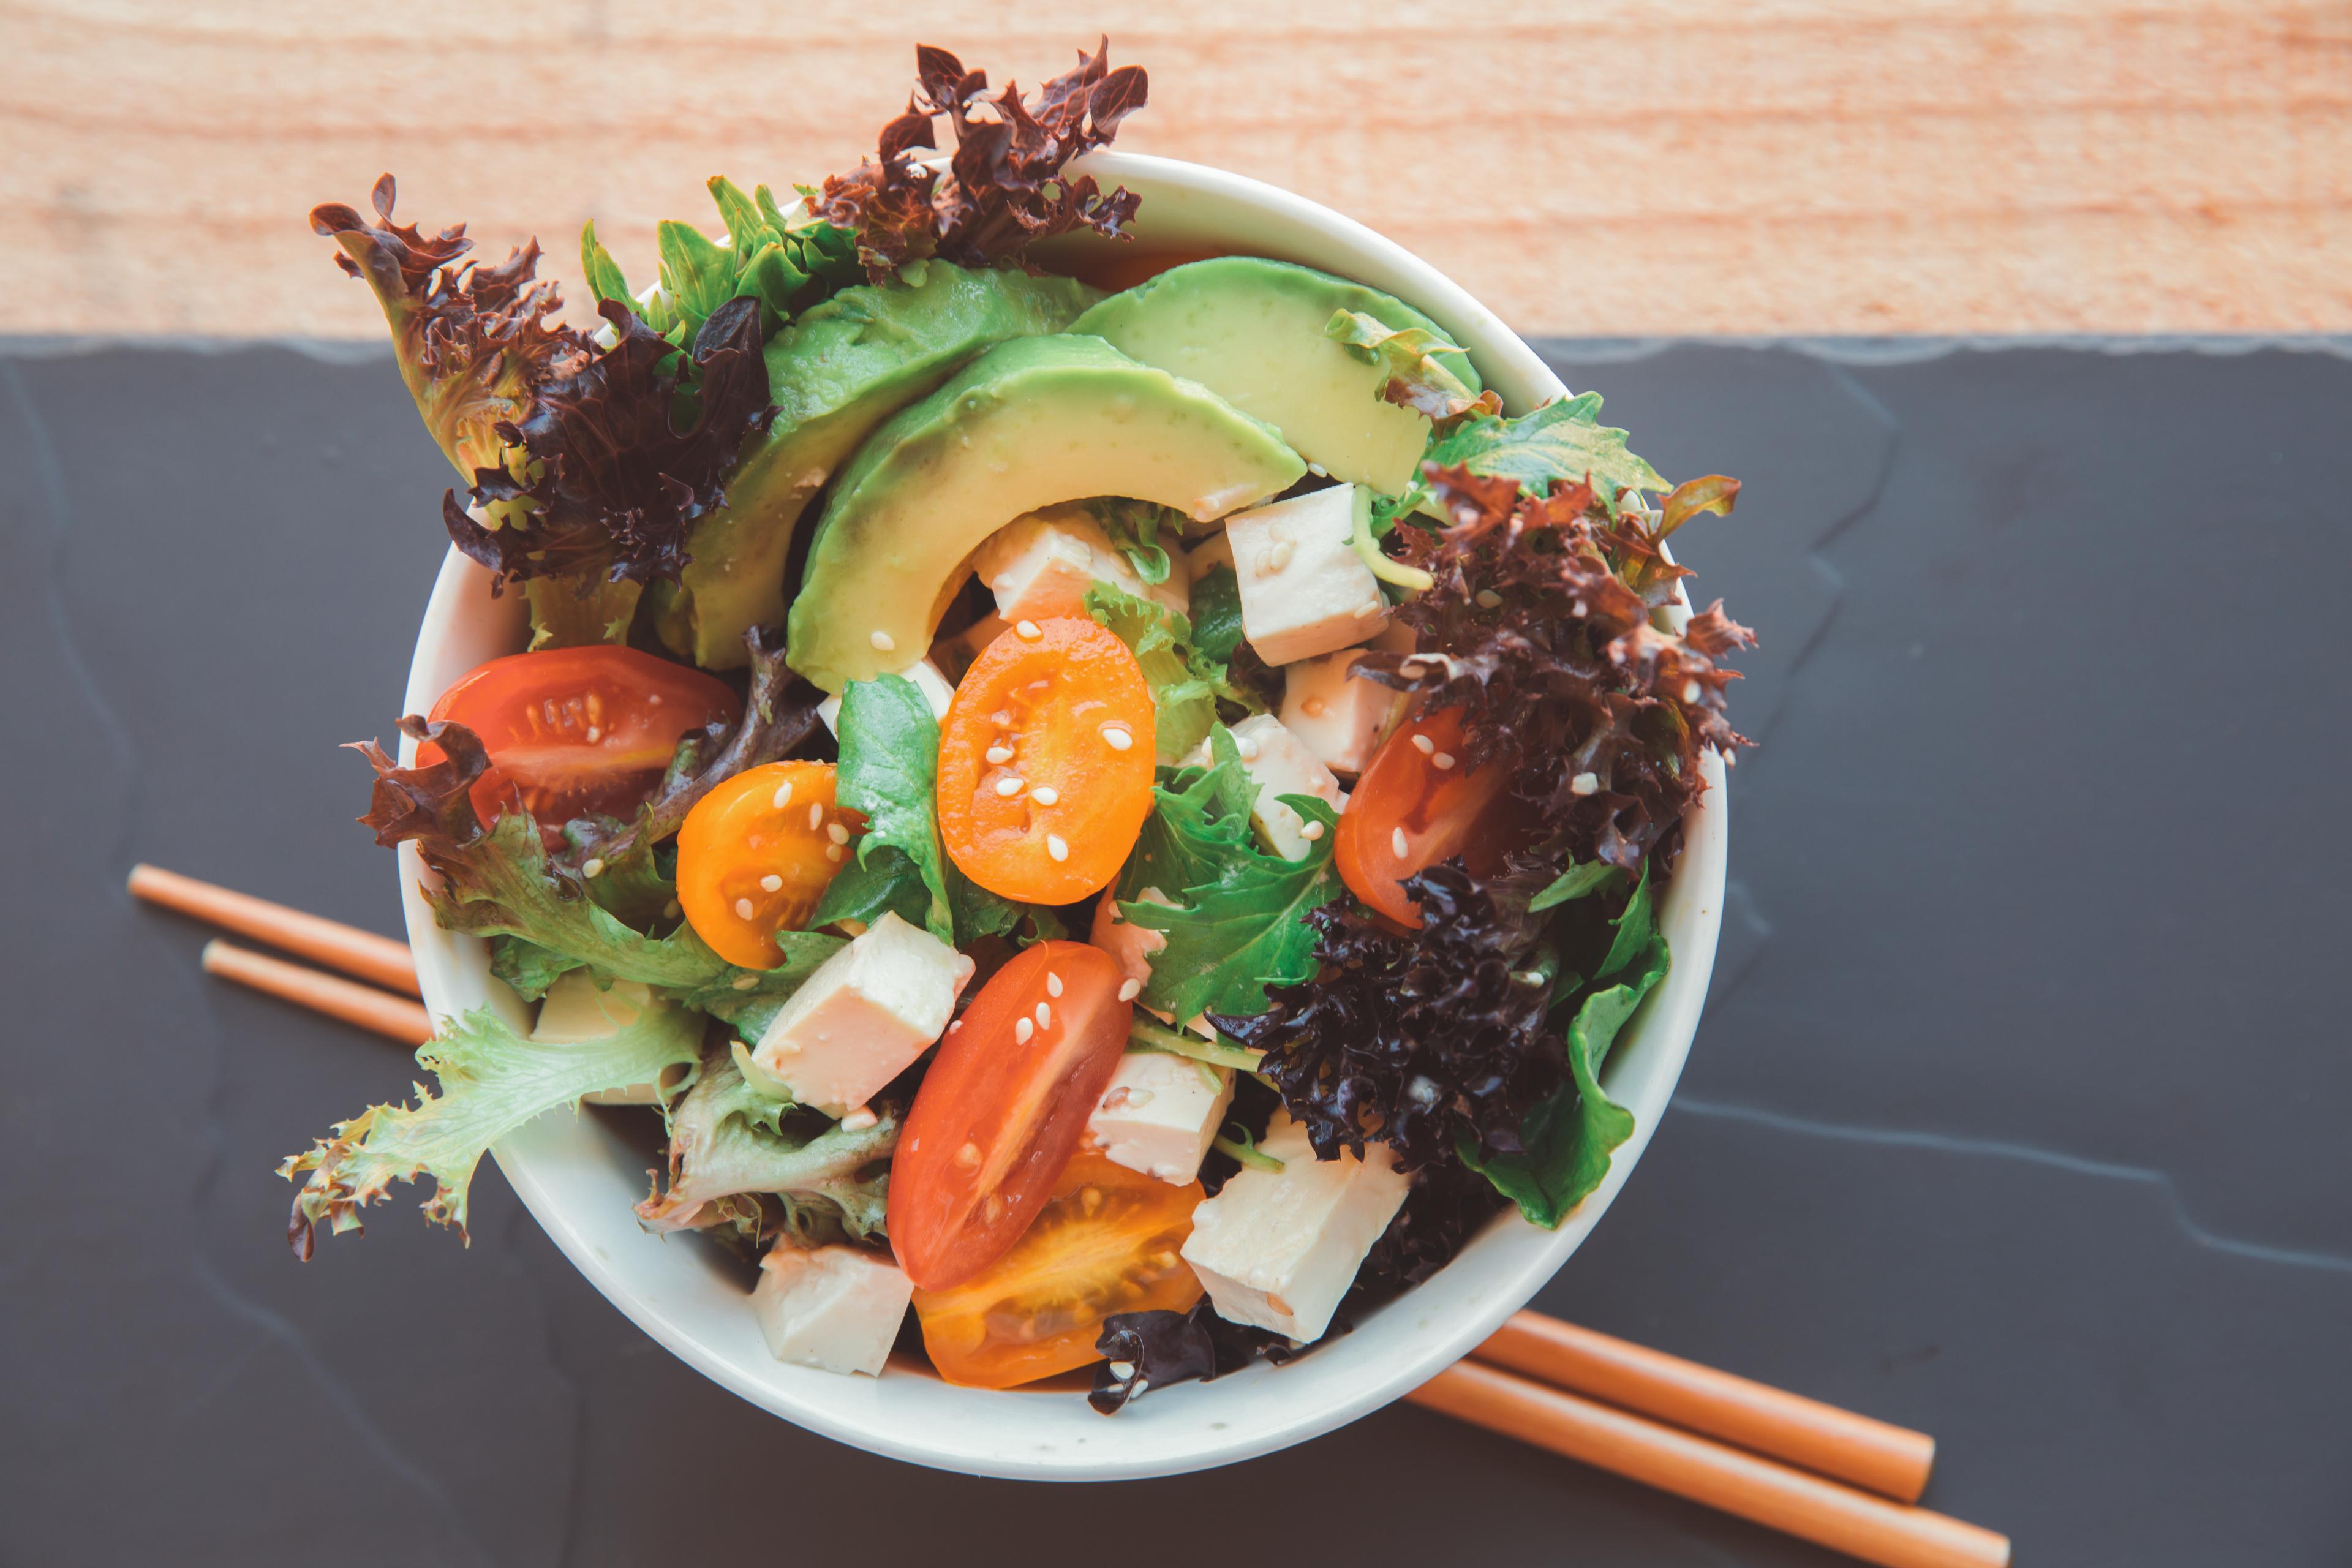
(1148, 1441)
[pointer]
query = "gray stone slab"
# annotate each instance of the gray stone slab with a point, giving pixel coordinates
(2015, 1116)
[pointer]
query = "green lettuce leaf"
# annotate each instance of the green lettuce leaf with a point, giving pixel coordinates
(1186, 683)
(1217, 614)
(728, 1139)
(1239, 920)
(1570, 1136)
(889, 769)
(492, 1082)
(1416, 378)
(500, 885)
(1135, 527)
(786, 261)
(1576, 882)
(1562, 440)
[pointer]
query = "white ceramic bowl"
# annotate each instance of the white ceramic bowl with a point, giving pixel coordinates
(579, 1180)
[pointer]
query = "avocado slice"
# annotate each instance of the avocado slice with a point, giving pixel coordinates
(1251, 330)
(1029, 424)
(835, 373)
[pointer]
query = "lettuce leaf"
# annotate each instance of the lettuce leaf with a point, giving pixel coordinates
(1561, 442)
(1568, 1137)
(1217, 614)
(1186, 682)
(1239, 920)
(500, 883)
(727, 1139)
(1416, 378)
(786, 261)
(492, 1081)
(1135, 529)
(889, 769)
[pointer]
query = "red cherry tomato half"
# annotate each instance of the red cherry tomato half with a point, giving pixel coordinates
(1002, 1110)
(575, 731)
(1414, 806)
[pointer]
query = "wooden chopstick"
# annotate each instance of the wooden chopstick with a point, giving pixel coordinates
(1685, 1399)
(1875, 1455)
(331, 942)
(353, 1003)
(1796, 1502)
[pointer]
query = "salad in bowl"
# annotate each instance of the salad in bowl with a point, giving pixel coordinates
(1101, 807)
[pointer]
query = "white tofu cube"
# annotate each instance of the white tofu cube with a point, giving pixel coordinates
(835, 1308)
(1339, 718)
(864, 1017)
(1160, 1114)
(1278, 1249)
(1279, 764)
(1042, 563)
(936, 688)
(1304, 589)
(574, 1012)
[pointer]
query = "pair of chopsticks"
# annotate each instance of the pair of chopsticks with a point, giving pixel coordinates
(1793, 1463)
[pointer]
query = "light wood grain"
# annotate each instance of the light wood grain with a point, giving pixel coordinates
(1733, 166)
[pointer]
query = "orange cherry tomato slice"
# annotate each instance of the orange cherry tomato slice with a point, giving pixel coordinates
(1002, 1110)
(578, 731)
(1046, 762)
(756, 853)
(1109, 1240)
(1414, 806)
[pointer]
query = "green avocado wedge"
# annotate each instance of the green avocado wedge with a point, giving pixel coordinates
(1028, 424)
(1252, 330)
(835, 373)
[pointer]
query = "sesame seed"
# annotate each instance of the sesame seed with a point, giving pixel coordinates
(1529, 977)
(594, 867)
(1488, 598)
(836, 832)
(833, 852)
(1280, 555)
(1313, 707)
(1117, 737)
(1009, 785)
(594, 734)
(743, 909)
(1442, 760)
(1246, 748)
(1584, 783)
(816, 814)
(1122, 1370)
(1311, 831)
(999, 754)
(746, 982)
(1690, 690)
(1045, 794)
(772, 883)
(1021, 1029)
(954, 1027)
(653, 698)
(1397, 843)
(1028, 631)
(883, 642)
(1002, 718)
(1423, 744)
(860, 1119)
(968, 1156)
(1044, 1016)
(1057, 847)
(672, 909)
(1129, 990)
(783, 795)
(1580, 609)
(1053, 983)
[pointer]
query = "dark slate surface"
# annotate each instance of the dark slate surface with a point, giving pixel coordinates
(2017, 1114)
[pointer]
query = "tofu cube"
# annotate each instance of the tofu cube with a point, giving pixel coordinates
(1160, 1114)
(1278, 1249)
(1132, 945)
(1212, 553)
(1042, 563)
(1339, 718)
(936, 688)
(835, 1308)
(1304, 589)
(574, 1012)
(864, 1017)
(1279, 764)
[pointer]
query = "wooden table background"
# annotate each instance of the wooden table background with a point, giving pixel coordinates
(1690, 166)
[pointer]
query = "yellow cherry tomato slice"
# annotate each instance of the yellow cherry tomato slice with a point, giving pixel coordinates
(755, 855)
(1046, 762)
